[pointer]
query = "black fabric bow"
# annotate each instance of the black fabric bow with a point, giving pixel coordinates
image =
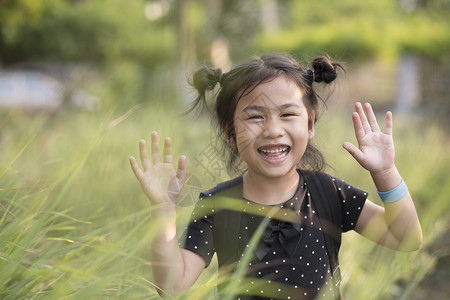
(288, 235)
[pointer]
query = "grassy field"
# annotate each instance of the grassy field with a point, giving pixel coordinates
(75, 224)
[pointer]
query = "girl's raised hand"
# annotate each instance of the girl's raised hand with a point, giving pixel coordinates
(375, 151)
(159, 181)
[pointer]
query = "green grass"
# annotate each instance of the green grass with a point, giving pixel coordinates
(75, 224)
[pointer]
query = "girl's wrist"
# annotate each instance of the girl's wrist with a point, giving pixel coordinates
(164, 208)
(386, 180)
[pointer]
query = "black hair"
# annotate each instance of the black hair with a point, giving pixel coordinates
(243, 78)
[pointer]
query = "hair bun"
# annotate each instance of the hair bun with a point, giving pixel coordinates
(324, 69)
(206, 79)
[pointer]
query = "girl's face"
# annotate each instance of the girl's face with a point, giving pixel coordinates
(271, 125)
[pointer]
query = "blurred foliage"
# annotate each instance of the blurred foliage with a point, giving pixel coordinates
(353, 29)
(92, 31)
(104, 32)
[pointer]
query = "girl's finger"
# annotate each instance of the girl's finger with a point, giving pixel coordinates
(134, 166)
(144, 155)
(167, 150)
(359, 130)
(181, 171)
(362, 116)
(388, 125)
(354, 151)
(371, 118)
(156, 156)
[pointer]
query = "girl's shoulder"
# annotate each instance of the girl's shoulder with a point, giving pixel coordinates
(321, 178)
(213, 199)
(232, 186)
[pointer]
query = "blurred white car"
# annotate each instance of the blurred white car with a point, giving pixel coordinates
(29, 89)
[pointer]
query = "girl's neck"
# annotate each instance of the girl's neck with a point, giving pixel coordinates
(269, 190)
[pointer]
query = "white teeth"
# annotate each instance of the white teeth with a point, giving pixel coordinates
(274, 151)
(282, 152)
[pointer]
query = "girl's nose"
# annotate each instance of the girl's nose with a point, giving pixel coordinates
(272, 129)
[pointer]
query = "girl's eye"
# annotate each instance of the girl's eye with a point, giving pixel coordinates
(287, 115)
(255, 117)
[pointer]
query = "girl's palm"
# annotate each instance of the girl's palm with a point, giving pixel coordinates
(159, 181)
(376, 150)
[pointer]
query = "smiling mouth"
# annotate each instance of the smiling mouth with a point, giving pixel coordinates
(274, 152)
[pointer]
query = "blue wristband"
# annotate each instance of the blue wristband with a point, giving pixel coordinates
(395, 194)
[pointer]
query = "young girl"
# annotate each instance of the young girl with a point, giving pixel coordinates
(278, 225)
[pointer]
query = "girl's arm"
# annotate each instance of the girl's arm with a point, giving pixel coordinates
(174, 269)
(396, 225)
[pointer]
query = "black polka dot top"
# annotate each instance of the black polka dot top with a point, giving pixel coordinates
(269, 252)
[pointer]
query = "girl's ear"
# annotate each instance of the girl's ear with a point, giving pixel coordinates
(231, 142)
(311, 133)
(311, 126)
(230, 139)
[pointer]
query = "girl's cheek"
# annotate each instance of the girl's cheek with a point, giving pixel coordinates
(248, 129)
